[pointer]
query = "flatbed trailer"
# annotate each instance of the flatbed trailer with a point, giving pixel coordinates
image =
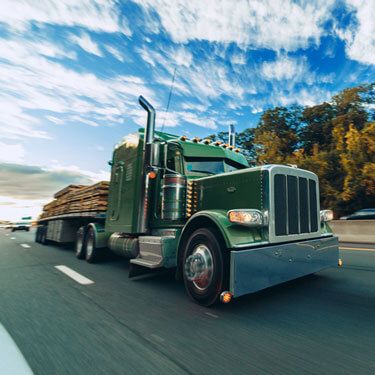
(63, 228)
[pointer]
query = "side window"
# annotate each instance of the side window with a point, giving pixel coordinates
(174, 159)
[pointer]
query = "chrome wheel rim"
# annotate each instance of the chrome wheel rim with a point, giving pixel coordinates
(89, 246)
(199, 267)
(79, 244)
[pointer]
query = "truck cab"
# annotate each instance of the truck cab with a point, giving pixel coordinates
(197, 206)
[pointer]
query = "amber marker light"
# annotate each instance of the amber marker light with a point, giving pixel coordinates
(151, 175)
(326, 215)
(225, 297)
(340, 263)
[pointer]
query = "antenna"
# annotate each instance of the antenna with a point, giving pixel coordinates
(169, 98)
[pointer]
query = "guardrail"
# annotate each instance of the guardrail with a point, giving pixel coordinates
(354, 230)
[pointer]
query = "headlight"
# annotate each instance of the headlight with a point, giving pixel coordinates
(248, 217)
(326, 215)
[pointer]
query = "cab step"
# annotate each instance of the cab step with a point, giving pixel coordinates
(150, 252)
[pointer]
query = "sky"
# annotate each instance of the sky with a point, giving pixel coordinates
(71, 72)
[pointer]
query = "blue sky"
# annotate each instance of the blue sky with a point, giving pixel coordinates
(71, 72)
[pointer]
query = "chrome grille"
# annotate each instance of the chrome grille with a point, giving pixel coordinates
(295, 205)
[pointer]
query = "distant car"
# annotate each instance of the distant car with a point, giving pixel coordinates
(365, 214)
(21, 226)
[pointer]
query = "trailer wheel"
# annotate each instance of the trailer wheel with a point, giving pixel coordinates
(205, 269)
(92, 252)
(43, 236)
(37, 235)
(80, 243)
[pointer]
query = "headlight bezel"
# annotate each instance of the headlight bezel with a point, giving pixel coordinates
(248, 217)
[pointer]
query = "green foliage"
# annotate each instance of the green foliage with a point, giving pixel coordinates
(336, 140)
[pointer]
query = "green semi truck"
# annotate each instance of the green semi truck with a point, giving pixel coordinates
(195, 206)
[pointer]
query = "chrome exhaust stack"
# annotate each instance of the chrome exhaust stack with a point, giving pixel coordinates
(148, 151)
(149, 130)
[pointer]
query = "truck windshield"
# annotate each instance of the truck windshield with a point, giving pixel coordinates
(201, 166)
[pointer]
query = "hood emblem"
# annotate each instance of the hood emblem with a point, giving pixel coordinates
(231, 189)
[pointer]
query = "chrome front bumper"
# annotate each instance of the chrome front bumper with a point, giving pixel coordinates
(259, 268)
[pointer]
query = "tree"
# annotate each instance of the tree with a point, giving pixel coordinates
(276, 136)
(244, 141)
(317, 127)
(334, 139)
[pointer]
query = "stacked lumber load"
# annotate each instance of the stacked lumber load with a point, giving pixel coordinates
(78, 198)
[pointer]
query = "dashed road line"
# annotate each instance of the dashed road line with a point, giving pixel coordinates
(25, 245)
(12, 238)
(211, 315)
(157, 337)
(74, 275)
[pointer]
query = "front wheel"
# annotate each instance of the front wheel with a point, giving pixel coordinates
(205, 268)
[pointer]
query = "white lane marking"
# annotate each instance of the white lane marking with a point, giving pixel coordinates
(7, 234)
(74, 275)
(157, 337)
(25, 245)
(356, 248)
(12, 238)
(11, 359)
(211, 315)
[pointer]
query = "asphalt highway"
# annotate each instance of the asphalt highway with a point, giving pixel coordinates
(101, 322)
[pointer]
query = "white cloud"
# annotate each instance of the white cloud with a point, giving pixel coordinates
(95, 15)
(24, 189)
(115, 52)
(55, 120)
(360, 37)
(181, 56)
(273, 24)
(30, 81)
(194, 119)
(305, 97)
(286, 68)
(194, 107)
(11, 153)
(86, 43)
(14, 209)
(238, 59)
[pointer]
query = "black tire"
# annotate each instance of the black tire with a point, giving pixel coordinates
(43, 236)
(80, 243)
(92, 253)
(27, 229)
(206, 292)
(37, 235)
(13, 230)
